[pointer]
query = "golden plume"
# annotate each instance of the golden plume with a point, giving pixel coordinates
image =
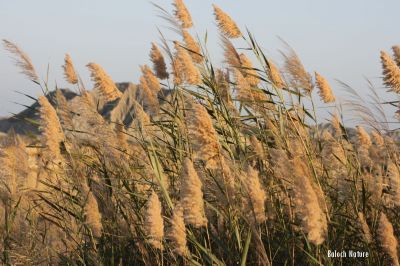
(182, 14)
(193, 47)
(52, 134)
(154, 224)
(275, 76)
(366, 233)
(204, 138)
(22, 60)
(69, 70)
(177, 232)
(184, 68)
(248, 70)
(325, 91)
(159, 66)
(104, 83)
(151, 79)
(254, 206)
(391, 73)
(226, 24)
(192, 196)
(387, 239)
(396, 53)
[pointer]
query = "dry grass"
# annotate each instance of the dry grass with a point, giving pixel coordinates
(200, 169)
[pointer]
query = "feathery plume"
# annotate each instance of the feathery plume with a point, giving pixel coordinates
(184, 68)
(364, 227)
(148, 97)
(92, 213)
(182, 14)
(226, 24)
(387, 239)
(299, 78)
(257, 147)
(203, 135)
(396, 53)
(394, 181)
(192, 196)
(154, 224)
(177, 232)
(22, 61)
(52, 134)
(255, 204)
(307, 204)
(104, 83)
(63, 110)
(151, 79)
(248, 70)
(275, 76)
(193, 47)
(325, 91)
(335, 122)
(69, 70)
(159, 66)
(232, 57)
(363, 138)
(391, 73)
(377, 138)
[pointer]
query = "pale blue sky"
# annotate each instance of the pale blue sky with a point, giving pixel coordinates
(341, 39)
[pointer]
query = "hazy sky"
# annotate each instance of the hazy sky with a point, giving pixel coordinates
(341, 39)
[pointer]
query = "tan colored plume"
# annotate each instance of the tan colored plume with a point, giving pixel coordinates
(226, 24)
(396, 53)
(387, 239)
(154, 223)
(254, 207)
(275, 76)
(325, 91)
(192, 196)
(184, 68)
(177, 232)
(159, 66)
(52, 134)
(391, 73)
(22, 60)
(193, 47)
(182, 14)
(104, 83)
(69, 70)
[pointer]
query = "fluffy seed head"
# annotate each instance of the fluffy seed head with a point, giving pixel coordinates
(275, 76)
(69, 70)
(22, 60)
(307, 204)
(325, 91)
(159, 66)
(299, 77)
(92, 214)
(52, 134)
(394, 182)
(226, 24)
(391, 73)
(154, 223)
(387, 239)
(248, 71)
(104, 83)
(184, 68)
(177, 232)
(182, 14)
(204, 138)
(364, 227)
(151, 79)
(396, 53)
(255, 203)
(192, 196)
(193, 47)
(363, 138)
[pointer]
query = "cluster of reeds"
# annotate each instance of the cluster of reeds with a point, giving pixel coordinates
(198, 165)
